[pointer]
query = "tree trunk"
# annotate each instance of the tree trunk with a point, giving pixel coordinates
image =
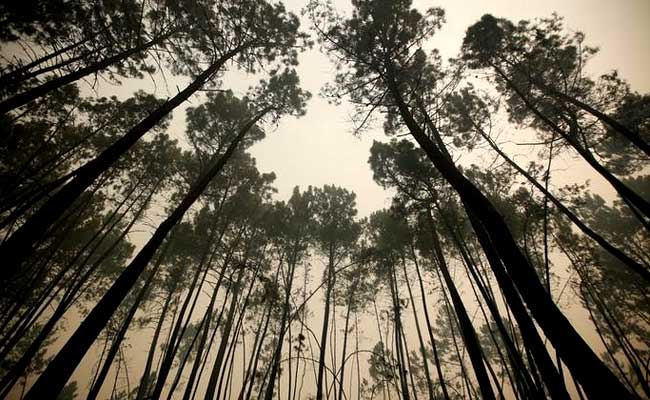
(516, 359)
(427, 319)
(619, 254)
(18, 247)
(144, 380)
(345, 347)
(425, 362)
(623, 190)
(63, 364)
(23, 98)
(18, 75)
(469, 334)
(629, 134)
(275, 366)
(326, 321)
(66, 301)
(218, 361)
(590, 371)
(119, 337)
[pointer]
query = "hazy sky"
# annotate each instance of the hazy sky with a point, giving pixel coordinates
(320, 149)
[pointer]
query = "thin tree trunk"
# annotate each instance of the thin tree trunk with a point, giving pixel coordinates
(67, 300)
(516, 359)
(592, 373)
(63, 364)
(200, 348)
(623, 190)
(345, 347)
(425, 362)
(258, 353)
(144, 380)
(121, 334)
(629, 134)
(427, 319)
(18, 247)
(250, 372)
(23, 98)
(614, 251)
(326, 318)
(275, 366)
(18, 75)
(219, 358)
(469, 334)
(238, 326)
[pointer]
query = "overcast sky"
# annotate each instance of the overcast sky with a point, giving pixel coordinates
(319, 148)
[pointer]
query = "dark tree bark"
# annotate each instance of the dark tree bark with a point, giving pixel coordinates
(425, 362)
(18, 247)
(221, 351)
(79, 279)
(121, 334)
(23, 98)
(629, 134)
(286, 308)
(63, 364)
(614, 251)
(469, 334)
(623, 190)
(144, 380)
(326, 320)
(436, 359)
(590, 371)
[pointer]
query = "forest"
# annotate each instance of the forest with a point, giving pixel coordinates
(145, 254)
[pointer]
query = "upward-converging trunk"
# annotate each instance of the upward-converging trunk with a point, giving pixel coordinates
(397, 333)
(626, 132)
(425, 362)
(24, 72)
(341, 372)
(286, 309)
(623, 190)
(207, 317)
(80, 278)
(469, 334)
(524, 380)
(533, 342)
(189, 303)
(41, 90)
(63, 364)
(17, 248)
(427, 319)
(326, 320)
(616, 252)
(144, 386)
(219, 358)
(121, 334)
(591, 372)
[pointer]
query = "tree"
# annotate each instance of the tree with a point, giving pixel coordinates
(275, 38)
(70, 355)
(334, 238)
(539, 69)
(380, 42)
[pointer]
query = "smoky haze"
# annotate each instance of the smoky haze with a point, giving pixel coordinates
(230, 211)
